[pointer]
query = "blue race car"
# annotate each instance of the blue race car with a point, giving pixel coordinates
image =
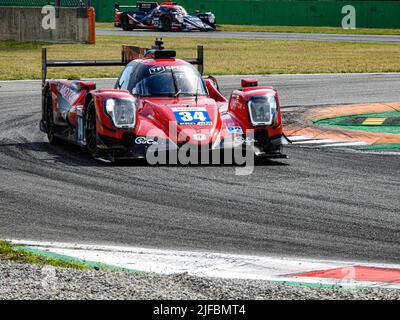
(165, 16)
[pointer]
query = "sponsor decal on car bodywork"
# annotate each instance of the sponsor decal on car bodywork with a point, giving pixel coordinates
(192, 116)
(67, 96)
(69, 92)
(156, 69)
(145, 140)
(234, 129)
(245, 140)
(199, 136)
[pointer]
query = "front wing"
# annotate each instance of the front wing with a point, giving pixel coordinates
(142, 147)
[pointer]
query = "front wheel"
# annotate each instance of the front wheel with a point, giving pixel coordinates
(51, 129)
(91, 131)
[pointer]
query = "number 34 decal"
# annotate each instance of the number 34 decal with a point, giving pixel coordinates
(189, 116)
(197, 116)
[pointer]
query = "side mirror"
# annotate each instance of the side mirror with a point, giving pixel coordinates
(214, 82)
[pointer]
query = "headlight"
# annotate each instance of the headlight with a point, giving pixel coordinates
(122, 112)
(262, 110)
(179, 18)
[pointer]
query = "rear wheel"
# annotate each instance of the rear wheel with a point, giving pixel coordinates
(166, 23)
(125, 23)
(51, 129)
(91, 131)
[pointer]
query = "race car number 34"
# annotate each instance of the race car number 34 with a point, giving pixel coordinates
(195, 116)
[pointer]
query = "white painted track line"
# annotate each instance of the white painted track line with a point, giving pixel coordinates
(324, 143)
(315, 141)
(210, 264)
(298, 138)
(346, 144)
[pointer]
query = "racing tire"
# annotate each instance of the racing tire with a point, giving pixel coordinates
(166, 23)
(125, 23)
(91, 131)
(51, 129)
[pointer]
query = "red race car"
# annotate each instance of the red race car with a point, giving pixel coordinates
(159, 105)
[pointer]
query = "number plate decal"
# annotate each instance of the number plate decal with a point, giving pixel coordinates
(192, 116)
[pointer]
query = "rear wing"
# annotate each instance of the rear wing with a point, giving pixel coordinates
(128, 54)
(145, 6)
(118, 6)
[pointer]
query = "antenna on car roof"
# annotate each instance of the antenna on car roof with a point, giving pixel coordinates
(197, 90)
(158, 51)
(158, 44)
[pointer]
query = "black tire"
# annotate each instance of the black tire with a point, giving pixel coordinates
(166, 23)
(125, 23)
(91, 131)
(51, 129)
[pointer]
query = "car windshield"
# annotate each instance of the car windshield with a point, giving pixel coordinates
(158, 9)
(181, 10)
(171, 81)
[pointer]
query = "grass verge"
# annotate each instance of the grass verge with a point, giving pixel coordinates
(22, 60)
(14, 253)
(299, 29)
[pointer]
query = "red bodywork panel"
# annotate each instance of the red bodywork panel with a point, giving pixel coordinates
(238, 107)
(117, 18)
(68, 96)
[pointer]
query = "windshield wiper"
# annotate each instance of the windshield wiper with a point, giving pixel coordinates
(178, 91)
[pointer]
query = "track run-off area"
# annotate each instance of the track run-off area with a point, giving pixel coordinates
(320, 203)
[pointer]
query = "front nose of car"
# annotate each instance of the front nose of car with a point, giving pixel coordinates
(197, 124)
(192, 120)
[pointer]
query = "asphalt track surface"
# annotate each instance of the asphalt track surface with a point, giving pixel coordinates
(318, 203)
(256, 35)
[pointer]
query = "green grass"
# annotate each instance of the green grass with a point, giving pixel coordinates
(104, 25)
(22, 60)
(381, 147)
(299, 29)
(14, 253)
(341, 123)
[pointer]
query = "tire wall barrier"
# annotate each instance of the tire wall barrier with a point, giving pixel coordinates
(26, 24)
(369, 14)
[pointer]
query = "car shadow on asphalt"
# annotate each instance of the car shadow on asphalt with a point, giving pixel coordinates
(143, 163)
(73, 155)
